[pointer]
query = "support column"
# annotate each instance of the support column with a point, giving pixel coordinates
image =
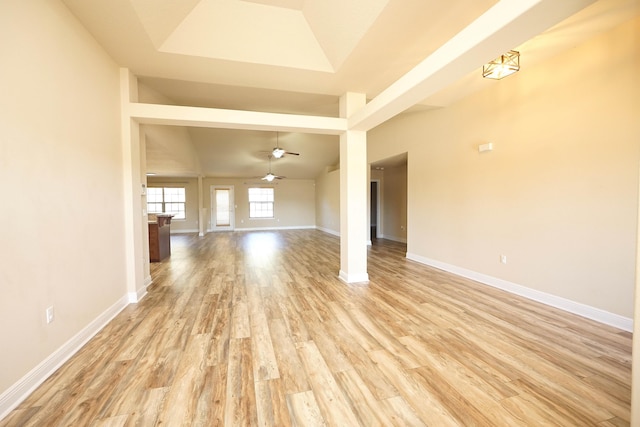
(134, 220)
(353, 195)
(146, 267)
(201, 212)
(635, 350)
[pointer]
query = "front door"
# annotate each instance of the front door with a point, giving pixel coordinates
(222, 208)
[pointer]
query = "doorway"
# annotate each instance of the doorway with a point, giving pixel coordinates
(222, 208)
(389, 198)
(374, 205)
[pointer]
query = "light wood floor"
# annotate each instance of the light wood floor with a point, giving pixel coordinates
(254, 328)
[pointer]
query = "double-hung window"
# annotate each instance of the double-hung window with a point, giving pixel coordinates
(261, 202)
(169, 200)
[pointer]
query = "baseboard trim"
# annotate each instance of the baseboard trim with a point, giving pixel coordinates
(394, 238)
(294, 227)
(136, 297)
(328, 231)
(353, 278)
(18, 392)
(593, 313)
(184, 231)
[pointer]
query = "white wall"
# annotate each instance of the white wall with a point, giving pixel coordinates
(394, 204)
(190, 224)
(61, 181)
(294, 203)
(327, 203)
(170, 150)
(558, 195)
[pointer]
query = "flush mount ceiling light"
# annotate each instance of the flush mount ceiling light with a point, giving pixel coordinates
(502, 66)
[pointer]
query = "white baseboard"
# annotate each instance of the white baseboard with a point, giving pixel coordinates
(394, 238)
(186, 230)
(299, 227)
(136, 297)
(353, 278)
(329, 231)
(15, 394)
(580, 309)
(294, 227)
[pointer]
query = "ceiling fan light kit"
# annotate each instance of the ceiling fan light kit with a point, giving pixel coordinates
(278, 152)
(269, 177)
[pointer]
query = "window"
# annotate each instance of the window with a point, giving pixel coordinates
(170, 200)
(261, 202)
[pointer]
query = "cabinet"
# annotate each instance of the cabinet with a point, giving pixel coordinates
(160, 237)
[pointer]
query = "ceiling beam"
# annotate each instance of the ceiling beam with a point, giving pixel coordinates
(505, 26)
(178, 115)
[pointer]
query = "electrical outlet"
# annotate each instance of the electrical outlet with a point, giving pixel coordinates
(503, 259)
(49, 314)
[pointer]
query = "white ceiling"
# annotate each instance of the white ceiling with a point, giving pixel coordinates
(297, 57)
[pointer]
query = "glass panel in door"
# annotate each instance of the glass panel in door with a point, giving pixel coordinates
(223, 207)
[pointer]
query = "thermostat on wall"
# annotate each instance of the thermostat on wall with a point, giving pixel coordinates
(485, 147)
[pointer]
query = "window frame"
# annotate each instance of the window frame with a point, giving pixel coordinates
(164, 202)
(271, 204)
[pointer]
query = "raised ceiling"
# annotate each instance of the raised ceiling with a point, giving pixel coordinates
(292, 56)
(292, 34)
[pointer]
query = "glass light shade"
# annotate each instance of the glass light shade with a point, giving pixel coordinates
(502, 66)
(277, 152)
(269, 177)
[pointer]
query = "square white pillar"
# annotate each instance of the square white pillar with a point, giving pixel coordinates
(353, 196)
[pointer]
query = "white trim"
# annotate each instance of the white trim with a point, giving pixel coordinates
(353, 278)
(136, 297)
(299, 227)
(395, 239)
(580, 309)
(329, 231)
(188, 230)
(180, 115)
(19, 391)
(232, 207)
(294, 227)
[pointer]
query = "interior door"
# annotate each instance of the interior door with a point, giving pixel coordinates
(222, 208)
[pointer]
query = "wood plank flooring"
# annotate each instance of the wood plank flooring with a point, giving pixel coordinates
(254, 328)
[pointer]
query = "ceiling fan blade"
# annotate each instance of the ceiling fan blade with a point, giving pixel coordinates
(292, 153)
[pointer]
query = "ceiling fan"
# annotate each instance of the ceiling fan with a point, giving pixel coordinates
(270, 176)
(279, 152)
